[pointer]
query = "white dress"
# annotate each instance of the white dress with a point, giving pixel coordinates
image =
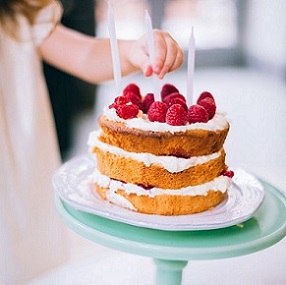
(32, 238)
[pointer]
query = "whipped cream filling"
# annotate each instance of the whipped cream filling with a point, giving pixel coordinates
(172, 164)
(119, 200)
(220, 183)
(141, 122)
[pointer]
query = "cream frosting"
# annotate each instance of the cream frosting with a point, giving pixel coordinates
(141, 122)
(172, 164)
(220, 183)
(119, 200)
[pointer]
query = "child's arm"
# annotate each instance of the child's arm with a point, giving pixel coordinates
(90, 58)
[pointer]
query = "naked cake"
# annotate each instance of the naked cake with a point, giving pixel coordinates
(161, 157)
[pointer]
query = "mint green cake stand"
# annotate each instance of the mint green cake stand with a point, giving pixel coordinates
(171, 250)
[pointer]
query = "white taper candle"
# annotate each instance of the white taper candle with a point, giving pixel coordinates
(191, 68)
(114, 50)
(151, 50)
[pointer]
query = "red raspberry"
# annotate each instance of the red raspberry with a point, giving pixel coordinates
(172, 96)
(204, 95)
(113, 105)
(157, 112)
(176, 100)
(127, 111)
(133, 88)
(120, 100)
(228, 173)
(132, 97)
(197, 114)
(147, 101)
(181, 102)
(168, 89)
(209, 105)
(176, 115)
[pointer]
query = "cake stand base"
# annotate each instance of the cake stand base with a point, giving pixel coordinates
(171, 250)
(169, 272)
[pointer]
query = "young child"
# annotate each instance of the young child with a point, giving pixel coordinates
(32, 238)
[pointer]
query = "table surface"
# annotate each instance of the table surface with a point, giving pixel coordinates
(265, 228)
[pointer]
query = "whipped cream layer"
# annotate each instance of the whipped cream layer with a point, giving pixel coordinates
(172, 164)
(217, 123)
(220, 183)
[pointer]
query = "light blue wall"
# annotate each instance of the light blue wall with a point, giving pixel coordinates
(264, 39)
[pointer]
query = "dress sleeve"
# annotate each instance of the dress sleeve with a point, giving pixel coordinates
(46, 21)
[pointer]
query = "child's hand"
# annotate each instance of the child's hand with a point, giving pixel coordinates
(168, 54)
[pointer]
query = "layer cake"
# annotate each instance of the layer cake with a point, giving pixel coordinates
(161, 157)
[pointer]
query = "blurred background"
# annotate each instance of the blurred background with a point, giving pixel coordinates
(241, 59)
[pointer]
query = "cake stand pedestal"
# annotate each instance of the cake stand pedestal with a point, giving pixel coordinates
(171, 250)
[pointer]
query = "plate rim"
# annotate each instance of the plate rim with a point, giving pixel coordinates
(139, 222)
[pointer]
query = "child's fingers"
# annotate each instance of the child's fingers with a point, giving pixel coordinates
(148, 70)
(161, 49)
(168, 56)
(173, 60)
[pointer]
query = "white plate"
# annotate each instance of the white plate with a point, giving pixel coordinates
(72, 182)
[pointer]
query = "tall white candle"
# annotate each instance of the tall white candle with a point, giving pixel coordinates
(114, 50)
(191, 68)
(151, 50)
